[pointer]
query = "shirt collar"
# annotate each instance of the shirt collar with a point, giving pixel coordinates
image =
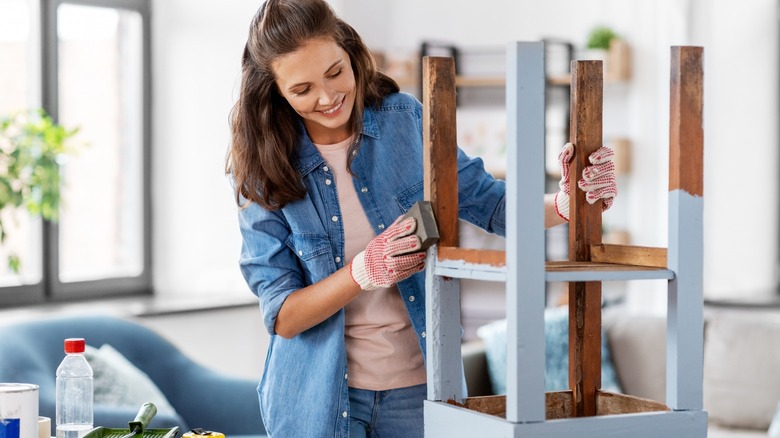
(309, 158)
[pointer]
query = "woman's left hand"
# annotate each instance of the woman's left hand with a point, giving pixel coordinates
(598, 180)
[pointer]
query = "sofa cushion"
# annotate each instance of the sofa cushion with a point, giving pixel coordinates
(741, 378)
(475, 368)
(556, 322)
(117, 382)
(715, 431)
(638, 347)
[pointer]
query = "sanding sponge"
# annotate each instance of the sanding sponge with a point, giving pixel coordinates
(426, 223)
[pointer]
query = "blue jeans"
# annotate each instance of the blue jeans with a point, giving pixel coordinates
(395, 413)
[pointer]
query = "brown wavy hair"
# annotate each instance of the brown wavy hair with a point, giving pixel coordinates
(266, 130)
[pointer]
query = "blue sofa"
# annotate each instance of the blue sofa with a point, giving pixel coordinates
(31, 351)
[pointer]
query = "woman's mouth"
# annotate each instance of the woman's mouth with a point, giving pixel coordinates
(334, 110)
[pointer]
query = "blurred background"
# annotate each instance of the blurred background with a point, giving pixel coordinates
(147, 222)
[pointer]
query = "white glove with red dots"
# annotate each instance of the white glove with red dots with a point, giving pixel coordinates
(390, 257)
(598, 180)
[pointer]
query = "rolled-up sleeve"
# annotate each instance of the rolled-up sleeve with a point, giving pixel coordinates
(481, 197)
(268, 265)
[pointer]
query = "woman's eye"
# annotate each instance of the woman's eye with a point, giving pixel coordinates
(301, 92)
(335, 75)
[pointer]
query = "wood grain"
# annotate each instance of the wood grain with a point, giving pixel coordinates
(686, 132)
(628, 255)
(584, 231)
(476, 256)
(440, 167)
(610, 404)
(558, 404)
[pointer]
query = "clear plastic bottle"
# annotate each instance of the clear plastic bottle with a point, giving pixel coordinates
(74, 392)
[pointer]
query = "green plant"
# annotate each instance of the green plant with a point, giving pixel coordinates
(31, 147)
(600, 37)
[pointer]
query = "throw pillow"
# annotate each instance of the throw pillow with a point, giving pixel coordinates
(741, 382)
(637, 345)
(119, 383)
(556, 372)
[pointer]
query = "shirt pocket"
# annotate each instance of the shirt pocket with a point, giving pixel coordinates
(406, 198)
(314, 254)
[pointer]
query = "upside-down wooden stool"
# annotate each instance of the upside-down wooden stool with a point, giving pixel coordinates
(584, 410)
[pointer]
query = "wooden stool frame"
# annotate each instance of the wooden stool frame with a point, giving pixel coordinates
(584, 410)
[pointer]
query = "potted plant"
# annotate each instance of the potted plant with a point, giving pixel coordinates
(600, 38)
(606, 45)
(597, 44)
(31, 148)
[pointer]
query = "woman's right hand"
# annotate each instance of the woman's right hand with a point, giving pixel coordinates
(598, 180)
(390, 257)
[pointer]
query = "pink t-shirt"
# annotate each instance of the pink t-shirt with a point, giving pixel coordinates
(382, 348)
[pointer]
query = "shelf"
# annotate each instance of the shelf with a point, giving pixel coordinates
(562, 80)
(406, 81)
(582, 271)
(492, 81)
(460, 81)
(596, 271)
(480, 81)
(490, 265)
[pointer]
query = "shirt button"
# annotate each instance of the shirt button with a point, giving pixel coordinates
(338, 259)
(344, 414)
(354, 153)
(423, 334)
(335, 218)
(328, 182)
(325, 168)
(381, 226)
(345, 375)
(411, 298)
(300, 253)
(364, 189)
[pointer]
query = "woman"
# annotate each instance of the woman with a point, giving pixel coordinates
(326, 156)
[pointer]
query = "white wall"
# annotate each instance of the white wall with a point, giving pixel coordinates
(741, 158)
(232, 340)
(197, 48)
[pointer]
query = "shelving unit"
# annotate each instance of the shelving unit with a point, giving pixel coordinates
(584, 410)
(499, 81)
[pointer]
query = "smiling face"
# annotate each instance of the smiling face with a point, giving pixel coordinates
(318, 82)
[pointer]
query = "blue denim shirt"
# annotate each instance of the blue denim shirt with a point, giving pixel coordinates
(303, 391)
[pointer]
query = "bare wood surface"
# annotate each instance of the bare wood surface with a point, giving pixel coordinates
(497, 258)
(563, 266)
(559, 404)
(490, 404)
(584, 231)
(610, 404)
(476, 256)
(440, 165)
(628, 255)
(686, 136)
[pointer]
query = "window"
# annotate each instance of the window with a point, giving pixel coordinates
(88, 66)
(16, 92)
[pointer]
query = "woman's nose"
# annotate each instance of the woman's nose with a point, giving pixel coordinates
(327, 95)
